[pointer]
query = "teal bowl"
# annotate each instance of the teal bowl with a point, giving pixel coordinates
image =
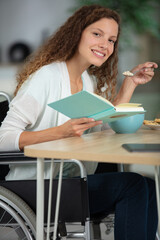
(127, 125)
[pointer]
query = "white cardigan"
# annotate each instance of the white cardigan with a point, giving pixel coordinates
(29, 112)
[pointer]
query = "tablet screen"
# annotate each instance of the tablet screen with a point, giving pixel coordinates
(142, 147)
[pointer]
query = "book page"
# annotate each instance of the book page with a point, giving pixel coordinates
(130, 109)
(121, 105)
(128, 105)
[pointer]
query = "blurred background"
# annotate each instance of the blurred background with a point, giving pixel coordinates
(24, 25)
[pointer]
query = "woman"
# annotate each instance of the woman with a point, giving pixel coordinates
(82, 54)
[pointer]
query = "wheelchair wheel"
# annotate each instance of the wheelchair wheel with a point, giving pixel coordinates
(17, 220)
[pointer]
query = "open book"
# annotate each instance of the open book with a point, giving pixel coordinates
(91, 105)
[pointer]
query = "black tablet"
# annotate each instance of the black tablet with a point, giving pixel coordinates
(142, 147)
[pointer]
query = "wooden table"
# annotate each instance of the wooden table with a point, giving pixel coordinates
(103, 146)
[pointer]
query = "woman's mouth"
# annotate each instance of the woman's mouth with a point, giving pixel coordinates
(98, 54)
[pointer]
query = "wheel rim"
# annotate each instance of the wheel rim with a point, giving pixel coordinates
(10, 226)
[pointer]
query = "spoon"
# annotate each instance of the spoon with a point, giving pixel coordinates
(130, 74)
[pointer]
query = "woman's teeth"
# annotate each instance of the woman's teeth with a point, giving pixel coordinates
(98, 53)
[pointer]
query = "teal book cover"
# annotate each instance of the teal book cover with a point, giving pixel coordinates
(81, 104)
(86, 104)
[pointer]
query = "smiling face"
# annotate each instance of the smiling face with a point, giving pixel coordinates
(97, 42)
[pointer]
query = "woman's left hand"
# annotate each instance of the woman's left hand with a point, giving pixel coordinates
(145, 73)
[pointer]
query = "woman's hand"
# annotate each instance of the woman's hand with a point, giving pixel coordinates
(145, 73)
(71, 128)
(76, 127)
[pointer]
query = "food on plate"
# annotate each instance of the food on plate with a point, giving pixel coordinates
(157, 120)
(152, 122)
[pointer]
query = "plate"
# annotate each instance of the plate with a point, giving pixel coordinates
(153, 127)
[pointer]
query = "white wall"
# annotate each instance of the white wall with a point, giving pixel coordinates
(30, 20)
(8, 79)
(33, 20)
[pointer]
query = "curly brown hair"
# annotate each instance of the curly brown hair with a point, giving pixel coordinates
(62, 45)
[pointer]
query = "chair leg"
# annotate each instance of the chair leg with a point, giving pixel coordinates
(62, 229)
(87, 230)
(157, 236)
(96, 230)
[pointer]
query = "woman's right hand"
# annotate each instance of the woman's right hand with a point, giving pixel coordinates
(71, 128)
(76, 127)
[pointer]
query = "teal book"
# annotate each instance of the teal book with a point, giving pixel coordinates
(91, 105)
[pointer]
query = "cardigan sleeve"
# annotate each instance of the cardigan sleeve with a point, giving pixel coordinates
(27, 107)
(23, 112)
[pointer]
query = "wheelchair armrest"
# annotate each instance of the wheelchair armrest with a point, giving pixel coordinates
(7, 157)
(19, 157)
(5, 95)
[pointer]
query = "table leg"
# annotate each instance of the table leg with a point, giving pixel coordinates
(40, 200)
(157, 180)
(50, 199)
(58, 200)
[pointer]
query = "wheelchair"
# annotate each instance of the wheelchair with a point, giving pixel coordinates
(18, 201)
(18, 205)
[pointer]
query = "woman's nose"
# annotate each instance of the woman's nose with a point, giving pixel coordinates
(103, 43)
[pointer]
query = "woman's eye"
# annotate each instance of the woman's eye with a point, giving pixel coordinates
(112, 41)
(96, 34)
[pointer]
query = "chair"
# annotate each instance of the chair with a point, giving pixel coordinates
(18, 198)
(18, 202)
(18, 207)
(4, 107)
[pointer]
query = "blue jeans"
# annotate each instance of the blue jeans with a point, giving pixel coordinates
(133, 199)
